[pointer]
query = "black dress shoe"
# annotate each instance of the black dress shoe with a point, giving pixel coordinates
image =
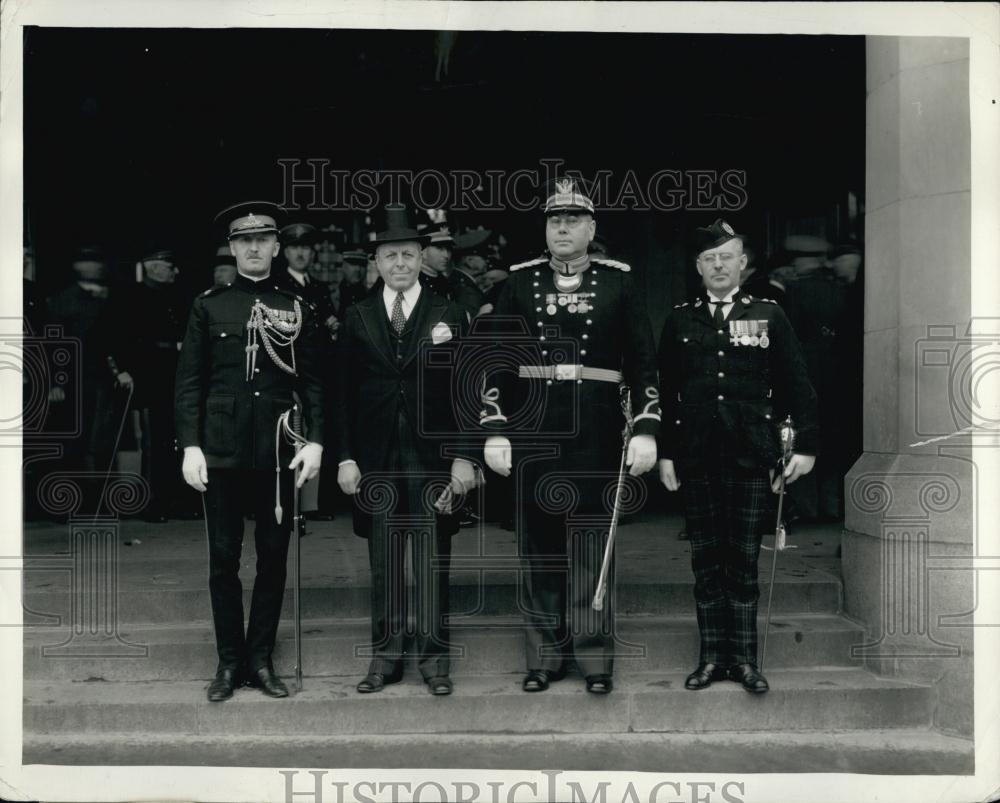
(268, 682)
(221, 688)
(376, 681)
(599, 684)
(703, 676)
(747, 674)
(539, 679)
(439, 686)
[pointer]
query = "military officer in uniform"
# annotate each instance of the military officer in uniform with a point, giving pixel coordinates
(142, 329)
(249, 345)
(731, 370)
(298, 241)
(437, 273)
(587, 332)
(352, 288)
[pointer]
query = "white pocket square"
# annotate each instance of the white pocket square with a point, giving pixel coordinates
(441, 333)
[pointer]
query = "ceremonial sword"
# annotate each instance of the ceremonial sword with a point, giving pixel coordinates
(602, 581)
(787, 437)
(290, 423)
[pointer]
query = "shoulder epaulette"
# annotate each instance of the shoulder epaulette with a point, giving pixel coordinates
(678, 306)
(290, 293)
(529, 263)
(295, 296)
(613, 263)
(215, 288)
(765, 300)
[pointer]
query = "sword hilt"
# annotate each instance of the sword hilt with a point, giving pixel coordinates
(787, 435)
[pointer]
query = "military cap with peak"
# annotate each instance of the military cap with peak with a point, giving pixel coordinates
(223, 256)
(355, 254)
(249, 217)
(439, 233)
(720, 232)
(567, 194)
(474, 241)
(299, 234)
(158, 251)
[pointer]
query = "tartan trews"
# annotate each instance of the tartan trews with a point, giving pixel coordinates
(726, 512)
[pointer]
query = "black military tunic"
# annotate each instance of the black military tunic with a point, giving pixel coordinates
(141, 330)
(226, 402)
(455, 286)
(556, 395)
(725, 391)
(229, 396)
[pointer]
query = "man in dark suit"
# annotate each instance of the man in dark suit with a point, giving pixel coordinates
(588, 331)
(389, 407)
(730, 371)
(249, 345)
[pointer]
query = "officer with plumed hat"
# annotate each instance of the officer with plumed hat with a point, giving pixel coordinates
(731, 370)
(249, 345)
(587, 334)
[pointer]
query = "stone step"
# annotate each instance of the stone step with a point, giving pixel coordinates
(165, 604)
(820, 699)
(880, 752)
(488, 645)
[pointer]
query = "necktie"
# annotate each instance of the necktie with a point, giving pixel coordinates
(398, 321)
(718, 318)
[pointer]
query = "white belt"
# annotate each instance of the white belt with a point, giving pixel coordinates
(568, 372)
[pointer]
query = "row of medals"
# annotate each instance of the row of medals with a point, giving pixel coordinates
(749, 333)
(574, 302)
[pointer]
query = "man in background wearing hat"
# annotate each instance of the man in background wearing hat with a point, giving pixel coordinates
(437, 274)
(730, 371)
(298, 242)
(816, 304)
(389, 408)
(78, 309)
(352, 287)
(588, 332)
(224, 267)
(249, 345)
(141, 331)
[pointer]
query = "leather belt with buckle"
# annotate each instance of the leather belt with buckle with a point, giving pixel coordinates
(567, 372)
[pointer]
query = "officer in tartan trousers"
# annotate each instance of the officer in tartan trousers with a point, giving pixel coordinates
(730, 371)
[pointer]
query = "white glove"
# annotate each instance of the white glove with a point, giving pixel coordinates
(309, 457)
(497, 454)
(641, 455)
(194, 468)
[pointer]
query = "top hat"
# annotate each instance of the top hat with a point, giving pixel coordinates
(396, 234)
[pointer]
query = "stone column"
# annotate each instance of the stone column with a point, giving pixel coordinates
(910, 508)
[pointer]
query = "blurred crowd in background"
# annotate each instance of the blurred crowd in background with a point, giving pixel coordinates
(117, 397)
